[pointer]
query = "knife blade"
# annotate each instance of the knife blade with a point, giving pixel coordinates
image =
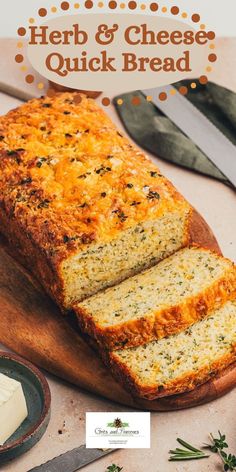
(73, 460)
(15, 92)
(197, 127)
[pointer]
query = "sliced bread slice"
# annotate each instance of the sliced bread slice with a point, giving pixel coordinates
(160, 301)
(181, 362)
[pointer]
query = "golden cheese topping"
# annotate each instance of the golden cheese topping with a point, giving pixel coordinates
(66, 170)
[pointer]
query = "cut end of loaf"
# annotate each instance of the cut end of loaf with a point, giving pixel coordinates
(136, 249)
(181, 362)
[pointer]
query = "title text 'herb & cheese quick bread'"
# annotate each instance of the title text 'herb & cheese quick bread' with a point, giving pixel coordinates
(83, 206)
(160, 301)
(180, 362)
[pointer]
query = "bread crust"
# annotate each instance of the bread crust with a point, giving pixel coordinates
(43, 212)
(183, 384)
(162, 323)
(34, 258)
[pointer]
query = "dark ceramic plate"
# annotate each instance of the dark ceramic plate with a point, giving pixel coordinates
(38, 399)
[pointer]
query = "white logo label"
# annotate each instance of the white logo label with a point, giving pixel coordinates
(118, 430)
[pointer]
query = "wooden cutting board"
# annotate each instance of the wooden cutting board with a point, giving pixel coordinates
(32, 325)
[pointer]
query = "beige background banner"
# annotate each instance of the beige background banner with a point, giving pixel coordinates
(149, 65)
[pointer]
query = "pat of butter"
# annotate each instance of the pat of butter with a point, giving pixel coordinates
(13, 409)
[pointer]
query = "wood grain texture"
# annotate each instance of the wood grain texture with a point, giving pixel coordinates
(32, 325)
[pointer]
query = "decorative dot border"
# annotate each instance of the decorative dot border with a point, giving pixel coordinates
(130, 5)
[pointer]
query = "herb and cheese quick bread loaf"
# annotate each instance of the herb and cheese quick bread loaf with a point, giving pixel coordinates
(84, 208)
(181, 362)
(160, 301)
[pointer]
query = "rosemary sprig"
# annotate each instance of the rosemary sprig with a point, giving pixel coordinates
(114, 468)
(188, 453)
(218, 445)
